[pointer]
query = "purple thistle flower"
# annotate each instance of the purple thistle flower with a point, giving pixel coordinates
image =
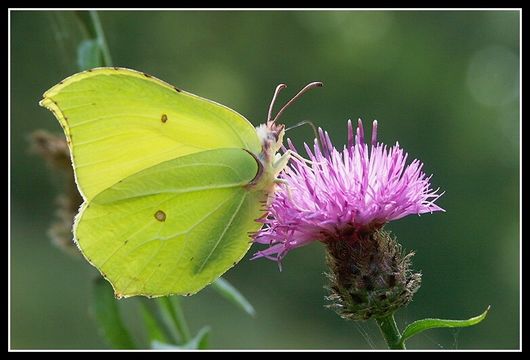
(357, 190)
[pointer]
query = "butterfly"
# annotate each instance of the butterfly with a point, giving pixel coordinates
(172, 183)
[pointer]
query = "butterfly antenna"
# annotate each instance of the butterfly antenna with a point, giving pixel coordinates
(276, 92)
(305, 122)
(306, 88)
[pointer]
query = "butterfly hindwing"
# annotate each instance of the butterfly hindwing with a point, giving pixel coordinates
(175, 227)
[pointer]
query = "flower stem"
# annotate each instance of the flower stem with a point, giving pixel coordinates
(390, 332)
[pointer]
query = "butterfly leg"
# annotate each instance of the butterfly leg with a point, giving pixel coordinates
(287, 187)
(279, 165)
(281, 162)
(299, 157)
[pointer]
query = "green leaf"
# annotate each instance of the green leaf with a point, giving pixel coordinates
(108, 317)
(201, 339)
(425, 324)
(160, 345)
(155, 330)
(199, 342)
(174, 317)
(89, 55)
(228, 291)
(90, 23)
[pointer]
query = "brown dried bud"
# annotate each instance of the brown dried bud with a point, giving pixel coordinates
(54, 150)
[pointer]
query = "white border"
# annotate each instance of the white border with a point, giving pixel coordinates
(265, 9)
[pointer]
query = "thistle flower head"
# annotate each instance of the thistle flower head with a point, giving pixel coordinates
(354, 191)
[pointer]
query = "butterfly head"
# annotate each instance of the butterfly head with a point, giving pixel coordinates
(271, 136)
(271, 133)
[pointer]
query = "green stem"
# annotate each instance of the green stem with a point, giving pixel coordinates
(179, 314)
(390, 332)
(107, 60)
(93, 30)
(176, 315)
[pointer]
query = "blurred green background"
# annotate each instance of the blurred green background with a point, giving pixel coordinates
(445, 84)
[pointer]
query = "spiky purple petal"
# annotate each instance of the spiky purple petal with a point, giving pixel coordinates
(360, 187)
